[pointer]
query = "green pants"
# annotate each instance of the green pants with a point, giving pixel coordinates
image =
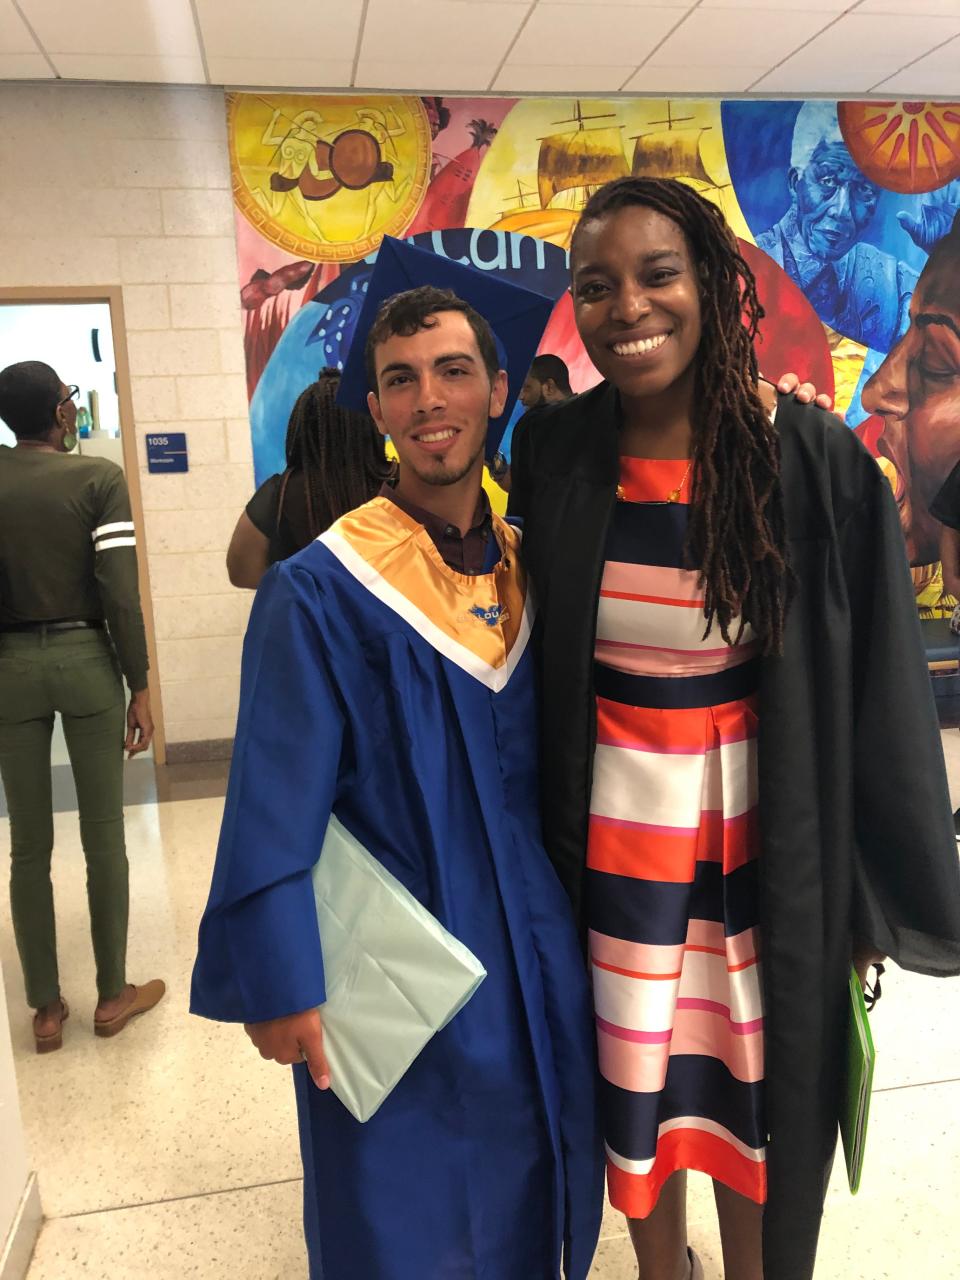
(75, 673)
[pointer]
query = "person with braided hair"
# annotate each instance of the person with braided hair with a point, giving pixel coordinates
(739, 800)
(336, 461)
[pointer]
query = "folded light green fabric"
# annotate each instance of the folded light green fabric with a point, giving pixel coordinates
(394, 975)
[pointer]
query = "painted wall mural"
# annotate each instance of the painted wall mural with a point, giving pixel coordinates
(838, 207)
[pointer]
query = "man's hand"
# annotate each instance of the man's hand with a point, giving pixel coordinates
(296, 1038)
(139, 724)
(805, 391)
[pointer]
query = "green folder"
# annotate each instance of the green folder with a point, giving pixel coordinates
(394, 975)
(861, 1059)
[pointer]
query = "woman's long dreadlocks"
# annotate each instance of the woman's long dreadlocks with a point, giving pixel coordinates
(736, 535)
(340, 453)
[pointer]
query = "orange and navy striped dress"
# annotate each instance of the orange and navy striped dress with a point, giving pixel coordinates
(672, 892)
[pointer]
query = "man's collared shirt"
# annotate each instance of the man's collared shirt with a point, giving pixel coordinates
(465, 553)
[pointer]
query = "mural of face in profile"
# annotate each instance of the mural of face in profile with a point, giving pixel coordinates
(916, 393)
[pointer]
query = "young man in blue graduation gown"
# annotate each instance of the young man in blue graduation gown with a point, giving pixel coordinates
(388, 679)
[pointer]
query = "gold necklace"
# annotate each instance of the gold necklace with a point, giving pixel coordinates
(672, 496)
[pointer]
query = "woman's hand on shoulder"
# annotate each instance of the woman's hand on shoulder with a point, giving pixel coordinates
(806, 392)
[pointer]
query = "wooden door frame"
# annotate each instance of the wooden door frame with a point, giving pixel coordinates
(112, 294)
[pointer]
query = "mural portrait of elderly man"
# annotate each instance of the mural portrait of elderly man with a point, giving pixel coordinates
(856, 288)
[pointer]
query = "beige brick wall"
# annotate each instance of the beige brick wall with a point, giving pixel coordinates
(131, 186)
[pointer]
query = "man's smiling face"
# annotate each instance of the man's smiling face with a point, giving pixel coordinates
(435, 398)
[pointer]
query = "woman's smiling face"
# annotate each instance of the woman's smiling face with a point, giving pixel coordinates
(636, 298)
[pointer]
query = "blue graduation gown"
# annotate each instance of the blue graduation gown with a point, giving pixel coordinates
(382, 686)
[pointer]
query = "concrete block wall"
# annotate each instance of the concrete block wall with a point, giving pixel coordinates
(104, 185)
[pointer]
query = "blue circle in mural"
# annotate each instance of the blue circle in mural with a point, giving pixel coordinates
(836, 233)
(320, 333)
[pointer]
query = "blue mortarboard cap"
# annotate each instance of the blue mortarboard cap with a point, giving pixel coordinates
(517, 316)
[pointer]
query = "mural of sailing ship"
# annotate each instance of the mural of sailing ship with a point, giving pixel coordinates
(574, 163)
(667, 151)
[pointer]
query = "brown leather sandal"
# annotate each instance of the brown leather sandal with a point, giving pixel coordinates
(144, 999)
(696, 1266)
(54, 1040)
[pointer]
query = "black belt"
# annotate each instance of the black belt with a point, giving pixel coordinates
(728, 685)
(67, 624)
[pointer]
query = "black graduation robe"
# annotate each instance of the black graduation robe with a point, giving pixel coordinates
(857, 835)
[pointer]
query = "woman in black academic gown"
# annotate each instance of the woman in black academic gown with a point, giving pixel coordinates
(743, 784)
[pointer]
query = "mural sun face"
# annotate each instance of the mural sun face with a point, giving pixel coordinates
(904, 146)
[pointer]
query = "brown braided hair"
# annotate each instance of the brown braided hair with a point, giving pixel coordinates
(736, 534)
(339, 452)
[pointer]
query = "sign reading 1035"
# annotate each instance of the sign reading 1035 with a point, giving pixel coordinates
(167, 453)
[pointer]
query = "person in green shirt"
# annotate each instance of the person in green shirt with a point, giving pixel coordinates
(70, 624)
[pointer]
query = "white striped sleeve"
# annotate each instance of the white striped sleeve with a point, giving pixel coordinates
(118, 526)
(115, 542)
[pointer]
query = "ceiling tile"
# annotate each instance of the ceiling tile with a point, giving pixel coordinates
(236, 28)
(145, 69)
(519, 78)
(779, 6)
(24, 66)
(15, 36)
(878, 40)
(935, 84)
(439, 34)
(708, 80)
(883, 44)
(326, 73)
(803, 77)
(936, 73)
(114, 26)
(424, 76)
(935, 8)
(572, 34)
(634, 4)
(711, 37)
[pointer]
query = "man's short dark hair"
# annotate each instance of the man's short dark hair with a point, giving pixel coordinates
(29, 395)
(408, 313)
(552, 368)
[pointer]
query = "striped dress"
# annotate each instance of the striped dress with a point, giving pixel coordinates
(671, 865)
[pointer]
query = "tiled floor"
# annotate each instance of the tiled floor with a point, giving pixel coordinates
(171, 1151)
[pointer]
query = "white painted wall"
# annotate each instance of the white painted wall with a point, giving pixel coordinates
(126, 185)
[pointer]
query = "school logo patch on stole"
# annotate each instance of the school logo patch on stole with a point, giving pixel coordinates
(493, 615)
(480, 623)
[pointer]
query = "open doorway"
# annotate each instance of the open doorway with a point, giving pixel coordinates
(78, 338)
(80, 333)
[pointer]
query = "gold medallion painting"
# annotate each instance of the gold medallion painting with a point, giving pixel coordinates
(327, 179)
